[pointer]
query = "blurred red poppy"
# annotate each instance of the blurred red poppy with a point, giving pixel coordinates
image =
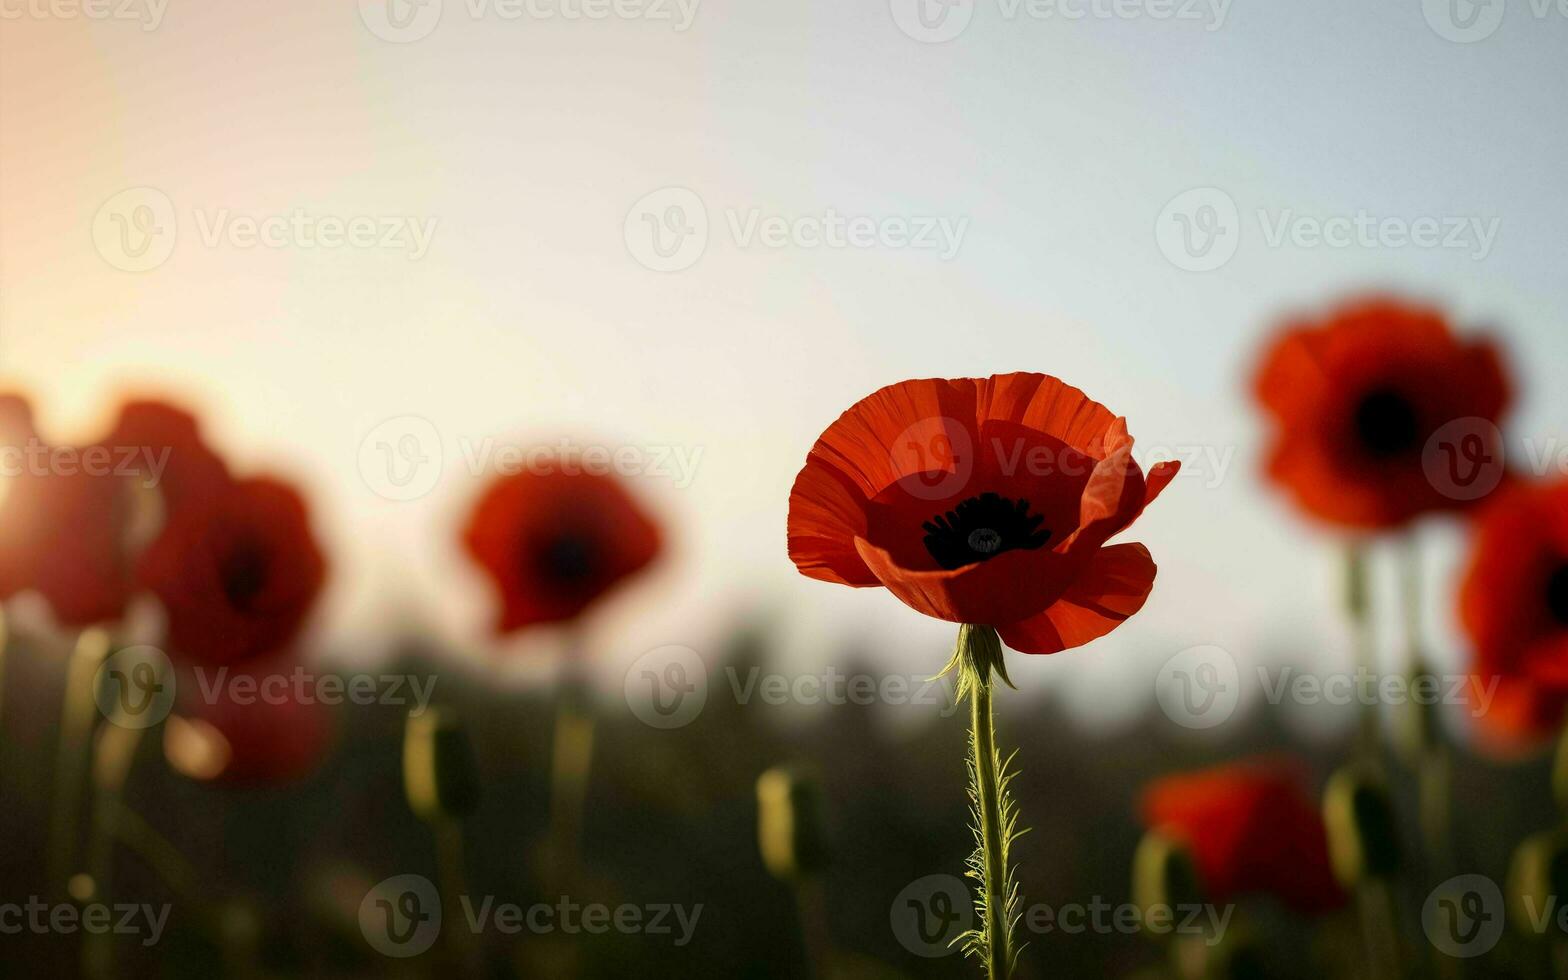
(239, 577)
(1251, 829)
(164, 447)
(553, 541)
(64, 524)
(1514, 606)
(255, 728)
(984, 501)
(1357, 399)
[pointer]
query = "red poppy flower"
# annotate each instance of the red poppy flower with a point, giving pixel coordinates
(238, 578)
(554, 541)
(1514, 606)
(984, 501)
(258, 729)
(1250, 829)
(163, 444)
(1357, 398)
(64, 524)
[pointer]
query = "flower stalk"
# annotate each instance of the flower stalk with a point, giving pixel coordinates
(995, 815)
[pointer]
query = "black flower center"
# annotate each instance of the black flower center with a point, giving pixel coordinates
(1557, 593)
(1386, 423)
(568, 559)
(243, 573)
(983, 527)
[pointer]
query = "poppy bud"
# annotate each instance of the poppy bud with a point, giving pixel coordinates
(1163, 874)
(440, 776)
(1363, 842)
(789, 823)
(1537, 878)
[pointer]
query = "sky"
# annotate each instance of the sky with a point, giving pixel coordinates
(696, 232)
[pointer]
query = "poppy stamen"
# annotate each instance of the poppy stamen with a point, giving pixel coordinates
(1386, 423)
(983, 527)
(1557, 593)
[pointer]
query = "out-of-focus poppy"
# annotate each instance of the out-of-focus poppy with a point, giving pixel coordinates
(555, 540)
(1356, 399)
(163, 445)
(64, 523)
(981, 500)
(1514, 607)
(238, 578)
(1250, 829)
(277, 731)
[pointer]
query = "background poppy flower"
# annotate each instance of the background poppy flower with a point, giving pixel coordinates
(237, 579)
(64, 526)
(1356, 397)
(1250, 828)
(275, 736)
(553, 542)
(169, 449)
(984, 501)
(1514, 607)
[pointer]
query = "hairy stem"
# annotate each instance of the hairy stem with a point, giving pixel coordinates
(978, 654)
(992, 841)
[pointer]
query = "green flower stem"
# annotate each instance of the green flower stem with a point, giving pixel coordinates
(982, 726)
(978, 653)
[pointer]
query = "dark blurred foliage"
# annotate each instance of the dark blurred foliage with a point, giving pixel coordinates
(671, 817)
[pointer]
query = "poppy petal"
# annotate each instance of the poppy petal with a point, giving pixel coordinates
(1013, 585)
(1115, 585)
(826, 515)
(1051, 406)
